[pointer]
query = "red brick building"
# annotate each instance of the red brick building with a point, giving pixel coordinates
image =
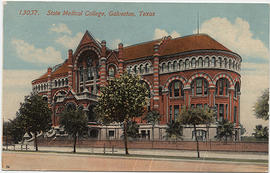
(194, 71)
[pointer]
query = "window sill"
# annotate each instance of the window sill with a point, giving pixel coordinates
(200, 96)
(177, 98)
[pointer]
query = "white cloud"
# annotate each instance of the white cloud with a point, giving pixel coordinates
(30, 53)
(69, 41)
(159, 33)
(60, 28)
(16, 85)
(236, 36)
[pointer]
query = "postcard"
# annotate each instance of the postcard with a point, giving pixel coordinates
(132, 86)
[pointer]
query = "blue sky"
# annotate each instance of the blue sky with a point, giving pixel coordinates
(33, 43)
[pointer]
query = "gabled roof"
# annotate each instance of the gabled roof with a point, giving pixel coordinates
(173, 46)
(87, 38)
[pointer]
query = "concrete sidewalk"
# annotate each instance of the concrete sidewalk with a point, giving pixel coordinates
(156, 152)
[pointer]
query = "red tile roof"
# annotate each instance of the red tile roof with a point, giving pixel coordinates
(177, 45)
(172, 46)
(60, 70)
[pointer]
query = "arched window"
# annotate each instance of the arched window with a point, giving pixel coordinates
(213, 62)
(174, 65)
(91, 113)
(222, 87)
(187, 64)
(146, 68)
(233, 65)
(236, 89)
(63, 82)
(66, 81)
(181, 65)
(220, 62)
(199, 86)
(59, 82)
(55, 83)
(225, 62)
(163, 67)
(90, 75)
(141, 69)
(176, 88)
(45, 98)
(111, 71)
(230, 64)
(41, 87)
(135, 69)
(206, 62)
(169, 66)
(200, 62)
(193, 63)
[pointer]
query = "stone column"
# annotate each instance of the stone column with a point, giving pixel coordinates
(103, 64)
(95, 81)
(231, 107)
(156, 76)
(187, 96)
(120, 57)
(70, 67)
(84, 77)
(238, 111)
(49, 92)
(211, 96)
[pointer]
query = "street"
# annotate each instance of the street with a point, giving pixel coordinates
(79, 162)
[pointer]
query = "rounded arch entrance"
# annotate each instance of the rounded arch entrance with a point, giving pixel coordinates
(91, 113)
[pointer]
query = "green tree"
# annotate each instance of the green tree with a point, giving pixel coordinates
(121, 100)
(14, 130)
(224, 130)
(35, 116)
(261, 108)
(132, 129)
(196, 116)
(174, 130)
(261, 132)
(152, 117)
(75, 124)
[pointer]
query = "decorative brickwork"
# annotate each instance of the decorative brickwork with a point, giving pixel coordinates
(192, 71)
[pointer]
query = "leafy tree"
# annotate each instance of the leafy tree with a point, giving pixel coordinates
(261, 132)
(121, 100)
(174, 130)
(261, 108)
(75, 124)
(14, 130)
(35, 116)
(132, 129)
(225, 129)
(196, 116)
(152, 117)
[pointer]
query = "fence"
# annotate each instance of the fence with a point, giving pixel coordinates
(173, 145)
